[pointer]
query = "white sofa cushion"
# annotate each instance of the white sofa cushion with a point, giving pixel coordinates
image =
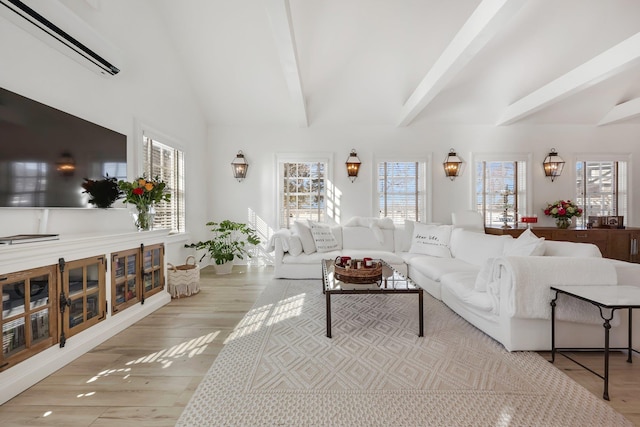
(389, 257)
(431, 240)
(571, 249)
(323, 238)
(313, 258)
(461, 284)
(302, 229)
(365, 238)
(434, 268)
(476, 248)
(527, 244)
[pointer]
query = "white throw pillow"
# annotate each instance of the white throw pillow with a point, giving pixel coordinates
(431, 240)
(527, 244)
(302, 229)
(323, 237)
(295, 245)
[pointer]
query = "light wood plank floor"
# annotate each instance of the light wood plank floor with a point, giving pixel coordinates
(146, 374)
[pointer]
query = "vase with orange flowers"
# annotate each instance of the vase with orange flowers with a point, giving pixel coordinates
(144, 194)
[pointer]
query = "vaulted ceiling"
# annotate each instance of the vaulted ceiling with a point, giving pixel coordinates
(410, 62)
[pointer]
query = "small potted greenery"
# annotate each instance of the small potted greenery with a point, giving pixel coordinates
(102, 192)
(229, 242)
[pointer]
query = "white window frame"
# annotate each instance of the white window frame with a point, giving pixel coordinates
(607, 157)
(425, 161)
(144, 129)
(326, 158)
(505, 157)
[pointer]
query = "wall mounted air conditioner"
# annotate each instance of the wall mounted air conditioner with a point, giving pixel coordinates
(56, 25)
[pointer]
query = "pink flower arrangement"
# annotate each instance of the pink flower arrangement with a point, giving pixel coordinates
(563, 209)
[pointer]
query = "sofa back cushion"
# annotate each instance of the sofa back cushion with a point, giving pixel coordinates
(476, 248)
(365, 238)
(571, 249)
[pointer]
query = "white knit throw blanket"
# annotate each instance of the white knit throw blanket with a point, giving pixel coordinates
(532, 277)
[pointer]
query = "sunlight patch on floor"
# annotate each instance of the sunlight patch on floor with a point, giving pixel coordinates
(166, 356)
(268, 315)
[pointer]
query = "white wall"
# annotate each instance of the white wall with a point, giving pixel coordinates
(257, 193)
(150, 89)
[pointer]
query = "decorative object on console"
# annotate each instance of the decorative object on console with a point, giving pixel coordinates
(553, 165)
(606, 222)
(506, 206)
(229, 242)
(353, 165)
(144, 194)
(563, 211)
(452, 165)
(239, 166)
(103, 192)
(529, 219)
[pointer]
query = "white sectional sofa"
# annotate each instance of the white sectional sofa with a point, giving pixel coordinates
(497, 283)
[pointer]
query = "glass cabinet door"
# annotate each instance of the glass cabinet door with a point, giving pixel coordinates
(83, 290)
(125, 279)
(28, 315)
(153, 269)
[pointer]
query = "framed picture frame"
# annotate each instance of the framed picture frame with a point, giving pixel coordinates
(611, 221)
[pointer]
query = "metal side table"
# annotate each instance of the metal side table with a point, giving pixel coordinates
(608, 299)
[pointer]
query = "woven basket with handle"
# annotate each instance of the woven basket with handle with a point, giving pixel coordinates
(184, 279)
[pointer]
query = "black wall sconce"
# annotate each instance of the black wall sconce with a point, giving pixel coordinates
(553, 165)
(239, 166)
(452, 165)
(353, 165)
(66, 164)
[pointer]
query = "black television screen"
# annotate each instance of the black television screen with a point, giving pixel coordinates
(45, 154)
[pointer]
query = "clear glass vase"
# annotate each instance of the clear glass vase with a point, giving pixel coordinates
(563, 222)
(144, 218)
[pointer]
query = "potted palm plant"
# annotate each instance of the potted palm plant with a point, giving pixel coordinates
(229, 242)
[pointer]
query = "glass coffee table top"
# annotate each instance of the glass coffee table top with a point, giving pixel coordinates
(391, 280)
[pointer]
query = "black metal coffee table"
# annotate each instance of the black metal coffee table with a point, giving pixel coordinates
(392, 282)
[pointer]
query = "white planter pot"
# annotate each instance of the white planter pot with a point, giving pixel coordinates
(224, 268)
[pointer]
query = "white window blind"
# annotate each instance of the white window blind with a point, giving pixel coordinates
(303, 191)
(501, 191)
(601, 188)
(167, 164)
(401, 190)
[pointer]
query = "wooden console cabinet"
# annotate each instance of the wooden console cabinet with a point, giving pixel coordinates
(615, 243)
(28, 314)
(136, 274)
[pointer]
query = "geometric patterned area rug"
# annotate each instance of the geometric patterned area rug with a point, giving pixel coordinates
(279, 368)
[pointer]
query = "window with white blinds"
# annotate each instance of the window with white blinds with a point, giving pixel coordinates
(303, 187)
(167, 164)
(601, 188)
(501, 191)
(401, 190)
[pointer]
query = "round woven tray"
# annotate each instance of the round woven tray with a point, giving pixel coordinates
(358, 275)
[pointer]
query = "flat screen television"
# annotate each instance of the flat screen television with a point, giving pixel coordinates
(45, 154)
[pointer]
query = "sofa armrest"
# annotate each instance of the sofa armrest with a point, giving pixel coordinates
(278, 251)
